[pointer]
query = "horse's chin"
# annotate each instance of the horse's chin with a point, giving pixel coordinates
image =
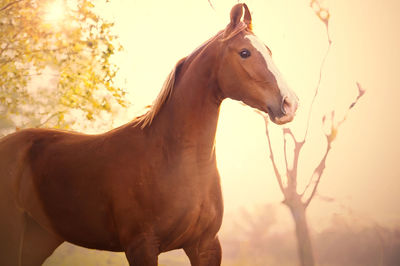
(281, 120)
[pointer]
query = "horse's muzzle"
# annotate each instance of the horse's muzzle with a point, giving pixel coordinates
(286, 112)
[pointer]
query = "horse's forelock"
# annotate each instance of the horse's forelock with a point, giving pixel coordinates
(231, 31)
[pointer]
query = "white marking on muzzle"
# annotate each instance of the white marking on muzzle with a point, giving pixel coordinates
(260, 47)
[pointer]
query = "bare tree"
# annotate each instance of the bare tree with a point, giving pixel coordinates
(298, 202)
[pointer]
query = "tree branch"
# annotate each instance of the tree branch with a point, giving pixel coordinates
(298, 145)
(318, 171)
(49, 118)
(209, 1)
(10, 41)
(277, 174)
(330, 137)
(323, 15)
(9, 4)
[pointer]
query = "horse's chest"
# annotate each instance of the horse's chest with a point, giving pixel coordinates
(191, 223)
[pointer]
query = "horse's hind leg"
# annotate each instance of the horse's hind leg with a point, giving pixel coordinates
(23, 241)
(37, 244)
(11, 226)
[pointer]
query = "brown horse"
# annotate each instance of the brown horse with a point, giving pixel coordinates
(151, 185)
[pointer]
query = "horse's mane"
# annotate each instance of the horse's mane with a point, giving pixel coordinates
(162, 97)
(168, 86)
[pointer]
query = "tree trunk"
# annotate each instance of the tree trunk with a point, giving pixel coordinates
(304, 246)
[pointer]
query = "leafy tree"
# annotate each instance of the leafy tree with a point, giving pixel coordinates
(55, 64)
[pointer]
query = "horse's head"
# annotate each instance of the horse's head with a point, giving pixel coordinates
(248, 74)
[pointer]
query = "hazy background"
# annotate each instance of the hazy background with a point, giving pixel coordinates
(358, 199)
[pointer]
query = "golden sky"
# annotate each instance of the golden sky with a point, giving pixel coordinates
(362, 172)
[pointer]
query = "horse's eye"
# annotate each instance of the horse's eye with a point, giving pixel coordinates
(244, 53)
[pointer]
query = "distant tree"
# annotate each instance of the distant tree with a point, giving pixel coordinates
(66, 46)
(348, 240)
(298, 202)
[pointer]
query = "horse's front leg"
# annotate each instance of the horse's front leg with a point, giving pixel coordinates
(143, 251)
(206, 252)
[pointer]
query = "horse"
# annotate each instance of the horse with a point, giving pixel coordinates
(151, 185)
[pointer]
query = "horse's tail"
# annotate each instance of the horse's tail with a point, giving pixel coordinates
(20, 231)
(14, 149)
(13, 155)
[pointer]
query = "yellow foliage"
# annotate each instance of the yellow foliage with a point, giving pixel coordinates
(76, 54)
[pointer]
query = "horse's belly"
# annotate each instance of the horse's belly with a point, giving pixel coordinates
(78, 217)
(96, 232)
(91, 227)
(80, 224)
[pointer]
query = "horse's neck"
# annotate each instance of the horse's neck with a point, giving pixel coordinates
(190, 116)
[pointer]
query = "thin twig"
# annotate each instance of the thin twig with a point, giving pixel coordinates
(325, 20)
(319, 11)
(318, 84)
(285, 153)
(209, 1)
(361, 92)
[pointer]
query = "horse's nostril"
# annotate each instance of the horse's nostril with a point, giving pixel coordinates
(286, 106)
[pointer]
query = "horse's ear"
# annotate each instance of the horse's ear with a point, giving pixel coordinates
(236, 25)
(247, 17)
(236, 14)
